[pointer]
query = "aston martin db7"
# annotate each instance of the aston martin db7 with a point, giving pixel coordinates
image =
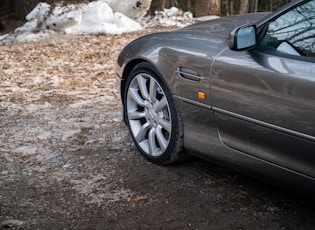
(237, 90)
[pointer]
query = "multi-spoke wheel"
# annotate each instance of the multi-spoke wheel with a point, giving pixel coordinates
(151, 115)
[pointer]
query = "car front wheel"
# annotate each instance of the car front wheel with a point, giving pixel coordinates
(152, 117)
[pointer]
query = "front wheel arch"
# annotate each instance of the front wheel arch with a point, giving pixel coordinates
(128, 68)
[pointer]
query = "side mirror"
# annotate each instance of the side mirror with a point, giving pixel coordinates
(242, 38)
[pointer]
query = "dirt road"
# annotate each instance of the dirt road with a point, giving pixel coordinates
(67, 162)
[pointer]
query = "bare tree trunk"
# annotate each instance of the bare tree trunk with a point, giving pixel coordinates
(163, 4)
(216, 7)
(227, 7)
(253, 6)
(189, 5)
(208, 7)
(174, 3)
(256, 6)
(244, 7)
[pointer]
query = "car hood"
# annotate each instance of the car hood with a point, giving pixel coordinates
(220, 27)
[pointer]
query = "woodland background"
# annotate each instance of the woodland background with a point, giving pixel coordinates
(18, 9)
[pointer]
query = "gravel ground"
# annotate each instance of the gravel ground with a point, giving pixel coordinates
(67, 162)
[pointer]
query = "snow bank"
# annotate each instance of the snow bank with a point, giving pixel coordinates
(90, 18)
(169, 17)
(132, 9)
(96, 17)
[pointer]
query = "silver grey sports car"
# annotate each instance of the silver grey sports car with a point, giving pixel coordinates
(238, 91)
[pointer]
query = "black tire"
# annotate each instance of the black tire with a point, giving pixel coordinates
(152, 116)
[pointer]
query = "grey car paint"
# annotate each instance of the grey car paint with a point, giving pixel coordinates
(273, 116)
(259, 112)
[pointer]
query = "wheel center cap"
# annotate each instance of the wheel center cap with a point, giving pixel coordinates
(151, 114)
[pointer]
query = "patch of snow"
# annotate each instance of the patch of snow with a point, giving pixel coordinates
(134, 9)
(91, 18)
(169, 17)
(28, 36)
(96, 17)
(12, 223)
(39, 12)
(26, 150)
(3, 37)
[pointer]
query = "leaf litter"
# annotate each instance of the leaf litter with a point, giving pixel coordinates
(60, 97)
(67, 161)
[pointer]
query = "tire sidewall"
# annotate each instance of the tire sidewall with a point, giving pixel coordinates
(145, 68)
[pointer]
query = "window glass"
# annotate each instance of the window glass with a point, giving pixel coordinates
(294, 32)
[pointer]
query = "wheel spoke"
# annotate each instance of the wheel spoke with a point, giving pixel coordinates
(133, 93)
(153, 90)
(152, 144)
(142, 132)
(161, 139)
(142, 83)
(161, 104)
(135, 115)
(166, 124)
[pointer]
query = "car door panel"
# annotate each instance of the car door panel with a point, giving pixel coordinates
(264, 105)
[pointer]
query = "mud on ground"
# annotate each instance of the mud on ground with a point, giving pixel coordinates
(67, 162)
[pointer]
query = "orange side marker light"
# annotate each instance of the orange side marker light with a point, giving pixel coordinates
(201, 95)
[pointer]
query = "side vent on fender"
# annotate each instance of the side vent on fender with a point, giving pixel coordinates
(189, 74)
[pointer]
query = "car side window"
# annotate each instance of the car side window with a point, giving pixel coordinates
(293, 33)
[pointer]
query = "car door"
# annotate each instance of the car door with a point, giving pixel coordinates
(264, 99)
